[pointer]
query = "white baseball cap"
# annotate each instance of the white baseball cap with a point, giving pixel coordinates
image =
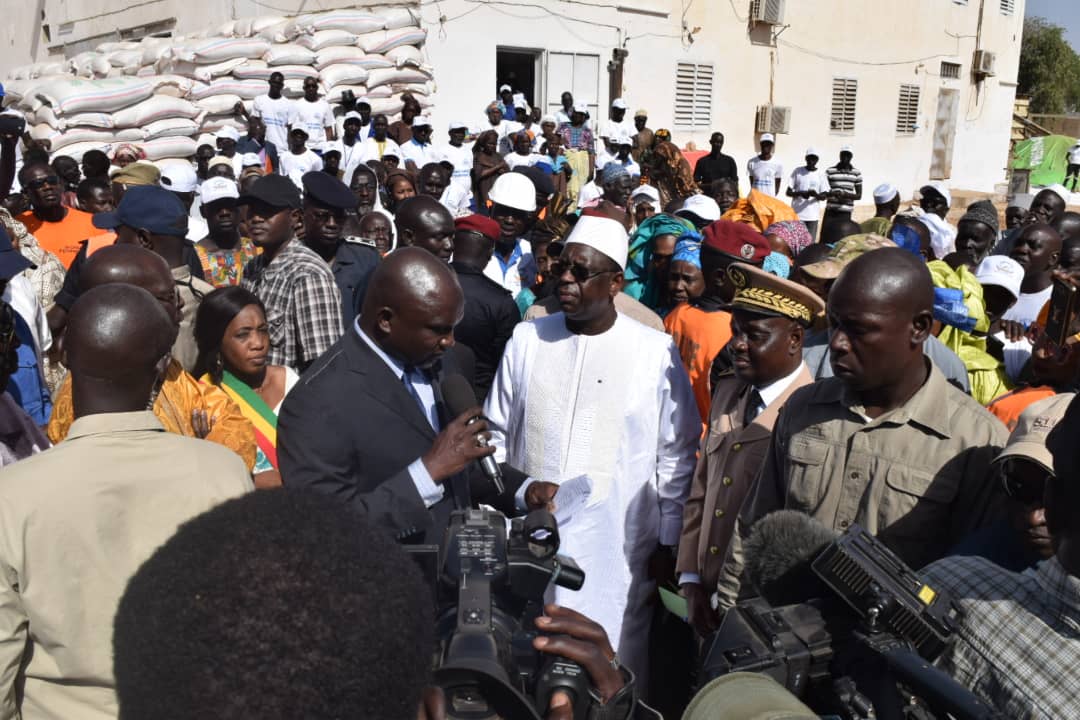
(809, 151)
(297, 125)
(218, 188)
(249, 159)
(701, 205)
(421, 121)
(581, 107)
(353, 115)
(885, 193)
(514, 190)
(457, 125)
(939, 186)
(618, 103)
(227, 133)
(520, 103)
(847, 148)
(645, 193)
(179, 177)
(549, 119)
(767, 137)
(1001, 270)
(504, 88)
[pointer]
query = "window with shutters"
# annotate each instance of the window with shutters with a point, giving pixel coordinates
(842, 119)
(950, 70)
(907, 110)
(1008, 7)
(693, 94)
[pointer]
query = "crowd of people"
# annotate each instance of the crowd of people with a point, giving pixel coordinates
(224, 404)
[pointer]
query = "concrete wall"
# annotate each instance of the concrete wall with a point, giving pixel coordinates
(880, 44)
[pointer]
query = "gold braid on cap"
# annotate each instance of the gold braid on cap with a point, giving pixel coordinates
(756, 297)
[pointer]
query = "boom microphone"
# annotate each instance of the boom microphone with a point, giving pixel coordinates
(459, 397)
(778, 554)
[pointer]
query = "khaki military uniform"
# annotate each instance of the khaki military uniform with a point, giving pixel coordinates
(731, 458)
(917, 477)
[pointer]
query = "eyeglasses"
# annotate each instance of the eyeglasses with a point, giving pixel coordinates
(580, 273)
(1023, 491)
(42, 182)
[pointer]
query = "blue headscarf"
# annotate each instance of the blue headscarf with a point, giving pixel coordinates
(777, 264)
(688, 249)
(640, 284)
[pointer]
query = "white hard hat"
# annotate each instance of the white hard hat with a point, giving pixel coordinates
(514, 190)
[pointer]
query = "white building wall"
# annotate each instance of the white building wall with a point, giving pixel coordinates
(881, 44)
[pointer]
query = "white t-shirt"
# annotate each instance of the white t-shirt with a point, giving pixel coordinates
(294, 166)
(421, 155)
(610, 128)
(350, 156)
(764, 173)
(514, 160)
(275, 115)
(1028, 306)
(803, 180)
(462, 160)
(316, 117)
(371, 150)
(1074, 155)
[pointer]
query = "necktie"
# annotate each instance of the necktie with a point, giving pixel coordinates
(406, 380)
(753, 406)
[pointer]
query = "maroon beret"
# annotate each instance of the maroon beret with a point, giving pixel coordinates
(738, 240)
(478, 223)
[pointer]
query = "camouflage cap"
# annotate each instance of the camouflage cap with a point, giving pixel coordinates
(844, 252)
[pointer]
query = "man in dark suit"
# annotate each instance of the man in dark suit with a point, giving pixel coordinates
(490, 311)
(367, 422)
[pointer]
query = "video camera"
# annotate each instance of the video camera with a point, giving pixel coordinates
(490, 590)
(867, 657)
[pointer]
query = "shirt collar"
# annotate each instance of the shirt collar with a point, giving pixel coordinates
(923, 408)
(771, 392)
(113, 422)
(395, 366)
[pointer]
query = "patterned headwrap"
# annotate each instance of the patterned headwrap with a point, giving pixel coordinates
(493, 105)
(793, 233)
(688, 249)
(612, 172)
(640, 284)
(678, 177)
(129, 150)
(777, 264)
(662, 135)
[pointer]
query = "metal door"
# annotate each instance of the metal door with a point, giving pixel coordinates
(944, 134)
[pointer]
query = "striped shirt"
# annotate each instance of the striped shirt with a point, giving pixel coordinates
(845, 180)
(303, 305)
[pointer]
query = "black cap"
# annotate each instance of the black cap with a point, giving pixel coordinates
(274, 190)
(540, 179)
(326, 190)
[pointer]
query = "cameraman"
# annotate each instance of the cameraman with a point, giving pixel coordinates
(1017, 644)
(281, 605)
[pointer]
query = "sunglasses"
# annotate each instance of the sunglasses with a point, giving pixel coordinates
(42, 182)
(1028, 493)
(580, 273)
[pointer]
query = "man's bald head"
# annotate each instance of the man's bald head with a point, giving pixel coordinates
(412, 304)
(116, 338)
(880, 312)
(128, 264)
(424, 222)
(890, 278)
(1068, 226)
(133, 265)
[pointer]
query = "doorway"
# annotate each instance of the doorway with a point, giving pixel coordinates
(520, 69)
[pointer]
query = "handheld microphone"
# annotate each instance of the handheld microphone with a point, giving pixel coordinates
(778, 554)
(459, 397)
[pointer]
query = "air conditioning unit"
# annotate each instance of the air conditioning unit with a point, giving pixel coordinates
(767, 12)
(985, 63)
(773, 119)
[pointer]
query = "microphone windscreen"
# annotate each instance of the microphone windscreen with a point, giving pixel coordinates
(778, 554)
(457, 394)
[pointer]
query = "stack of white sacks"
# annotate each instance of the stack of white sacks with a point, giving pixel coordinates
(169, 95)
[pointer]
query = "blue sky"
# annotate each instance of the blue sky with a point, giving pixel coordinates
(1061, 12)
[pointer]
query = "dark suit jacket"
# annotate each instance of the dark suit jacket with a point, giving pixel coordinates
(490, 318)
(353, 265)
(350, 429)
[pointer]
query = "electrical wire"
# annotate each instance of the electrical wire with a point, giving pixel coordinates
(849, 61)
